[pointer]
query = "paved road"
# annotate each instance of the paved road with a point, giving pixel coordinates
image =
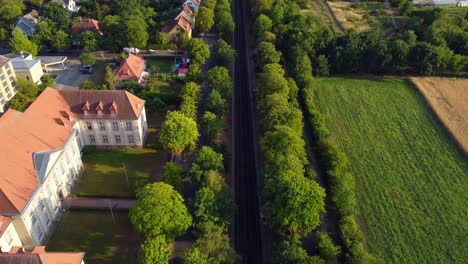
(98, 203)
(247, 234)
(71, 77)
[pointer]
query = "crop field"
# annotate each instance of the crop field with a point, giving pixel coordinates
(448, 97)
(411, 179)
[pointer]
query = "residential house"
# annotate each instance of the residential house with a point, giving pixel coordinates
(86, 24)
(175, 28)
(131, 69)
(8, 87)
(38, 255)
(40, 160)
(192, 3)
(26, 67)
(27, 23)
(188, 13)
(71, 5)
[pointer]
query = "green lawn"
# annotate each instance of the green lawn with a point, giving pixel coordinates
(165, 65)
(411, 180)
(104, 241)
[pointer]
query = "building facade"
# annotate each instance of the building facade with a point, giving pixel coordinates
(8, 87)
(41, 151)
(28, 68)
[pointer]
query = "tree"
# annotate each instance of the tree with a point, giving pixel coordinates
(206, 207)
(272, 80)
(60, 41)
(155, 250)
(36, 3)
(87, 58)
(322, 68)
(262, 24)
(399, 50)
(212, 125)
(109, 80)
(89, 41)
(136, 31)
(267, 54)
(19, 42)
(262, 6)
(291, 252)
(194, 256)
(327, 250)
(198, 51)
(406, 7)
(216, 103)
(224, 53)
(160, 210)
(11, 9)
(113, 37)
(58, 14)
(191, 90)
(214, 243)
(173, 175)
(178, 133)
(208, 159)
(224, 22)
(218, 78)
(267, 36)
(205, 19)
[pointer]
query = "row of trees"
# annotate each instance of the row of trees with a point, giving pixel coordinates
(215, 13)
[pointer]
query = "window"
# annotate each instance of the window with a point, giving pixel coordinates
(2, 101)
(9, 72)
(56, 179)
(5, 84)
(105, 140)
(102, 126)
(115, 126)
(41, 205)
(89, 125)
(79, 143)
(117, 139)
(92, 139)
(128, 126)
(62, 169)
(112, 112)
(86, 113)
(12, 79)
(33, 218)
(99, 112)
(8, 237)
(2, 77)
(8, 94)
(130, 139)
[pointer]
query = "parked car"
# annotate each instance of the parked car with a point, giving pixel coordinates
(87, 69)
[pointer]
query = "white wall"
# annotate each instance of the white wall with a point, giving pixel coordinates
(7, 88)
(9, 239)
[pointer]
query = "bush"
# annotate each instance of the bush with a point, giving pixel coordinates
(87, 58)
(327, 250)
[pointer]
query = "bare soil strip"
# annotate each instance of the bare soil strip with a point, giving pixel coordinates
(448, 97)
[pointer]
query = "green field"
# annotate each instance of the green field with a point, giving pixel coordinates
(411, 180)
(105, 241)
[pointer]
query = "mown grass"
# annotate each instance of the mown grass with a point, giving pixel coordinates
(105, 241)
(411, 180)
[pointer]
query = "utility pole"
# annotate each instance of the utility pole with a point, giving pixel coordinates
(112, 213)
(126, 176)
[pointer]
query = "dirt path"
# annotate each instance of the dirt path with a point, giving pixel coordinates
(448, 97)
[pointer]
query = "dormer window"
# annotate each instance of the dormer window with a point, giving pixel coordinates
(112, 112)
(85, 112)
(99, 112)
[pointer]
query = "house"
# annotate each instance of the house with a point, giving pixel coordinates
(182, 72)
(8, 87)
(176, 27)
(463, 3)
(27, 23)
(192, 3)
(86, 24)
(68, 4)
(188, 13)
(131, 69)
(38, 255)
(40, 158)
(27, 67)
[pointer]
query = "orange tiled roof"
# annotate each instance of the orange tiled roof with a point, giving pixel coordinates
(184, 23)
(181, 21)
(46, 125)
(131, 68)
(40, 256)
(4, 222)
(86, 24)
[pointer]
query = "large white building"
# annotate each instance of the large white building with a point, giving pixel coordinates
(8, 87)
(40, 159)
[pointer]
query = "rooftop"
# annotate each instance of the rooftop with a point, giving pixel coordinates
(131, 68)
(86, 24)
(3, 60)
(39, 256)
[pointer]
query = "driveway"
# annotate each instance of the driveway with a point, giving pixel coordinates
(71, 77)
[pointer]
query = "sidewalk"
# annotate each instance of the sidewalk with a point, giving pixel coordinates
(98, 203)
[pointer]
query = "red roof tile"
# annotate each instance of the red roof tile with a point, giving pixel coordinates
(131, 68)
(86, 24)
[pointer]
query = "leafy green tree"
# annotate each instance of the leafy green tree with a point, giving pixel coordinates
(178, 133)
(11, 9)
(322, 68)
(89, 85)
(218, 78)
(87, 58)
(45, 33)
(208, 159)
(191, 90)
(19, 102)
(267, 54)
(406, 7)
(267, 36)
(194, 256)
(205, 19)
(224, 53)
(262, 6)
(36, 3)
(136, 31)
(291, 252)
(215, 244)
(19, 42)
(198, 51)
(188, 108)
(89, 41)
(216, 103)
(60, 41)
(160, 210)
(271, 80)
(155, 250)
(277, 111)
(262, 24)
(212, 125)
(206, 207)
(224, 22)
(173, 174)
(109, 80)
(27, 92)
(327, 250)
(113, 32)
(58, 14)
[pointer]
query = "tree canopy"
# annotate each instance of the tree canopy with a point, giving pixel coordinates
(178, 133)
(198, 51)
(218, 78)
(19, 42)
(155, 250)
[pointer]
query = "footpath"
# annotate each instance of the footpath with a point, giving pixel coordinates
(98, 203)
